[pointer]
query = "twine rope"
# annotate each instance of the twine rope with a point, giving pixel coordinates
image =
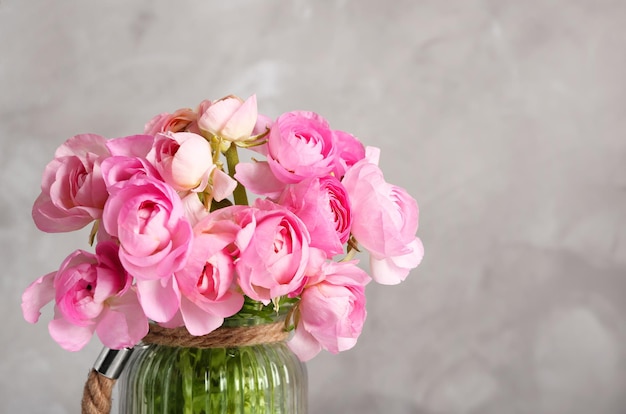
(99, 388)
(97, 394)
(223, 337)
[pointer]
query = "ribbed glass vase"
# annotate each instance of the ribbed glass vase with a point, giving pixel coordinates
(258, 379)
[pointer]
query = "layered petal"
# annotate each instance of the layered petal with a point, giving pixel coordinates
(331, 311)
(301, 145)
(73, 192)
(258, 178)
(37, 295)
(69, 336)
(393, 270)
(385, 216)
(160, 299)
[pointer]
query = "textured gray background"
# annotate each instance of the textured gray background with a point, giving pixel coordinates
(504, 118)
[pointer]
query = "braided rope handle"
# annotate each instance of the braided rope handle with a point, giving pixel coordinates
(101, 380)
(97, 394)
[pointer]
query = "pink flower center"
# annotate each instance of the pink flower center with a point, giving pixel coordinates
(206, 281)
(147, 210)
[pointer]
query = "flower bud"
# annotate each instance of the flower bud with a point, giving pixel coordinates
(183, 159)
(230, 118)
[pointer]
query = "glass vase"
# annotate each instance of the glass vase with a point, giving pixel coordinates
(265, 378)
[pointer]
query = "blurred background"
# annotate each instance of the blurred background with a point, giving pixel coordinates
(505, 119)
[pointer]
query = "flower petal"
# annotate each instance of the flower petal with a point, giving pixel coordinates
(70, 337)
(197, 321)
(122, 326)
(36, 296)
(242, 122)
(223, 185)
(258, 178)
(304, 345)
(159, 298)
(393, 270)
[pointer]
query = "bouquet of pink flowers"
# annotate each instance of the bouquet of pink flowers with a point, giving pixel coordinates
(178, 243)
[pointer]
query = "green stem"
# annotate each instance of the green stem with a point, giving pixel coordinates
(187, 374)
(94, 232)
(349, 256)
(232, 159)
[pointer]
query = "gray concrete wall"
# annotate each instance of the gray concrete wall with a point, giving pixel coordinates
(504, 118)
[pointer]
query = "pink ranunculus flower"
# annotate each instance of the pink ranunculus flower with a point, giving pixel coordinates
(128, 159)
(332, 311)
(324, 207)
(118, 169)
(274, 251)
(73, 192)
(349, 151)
(300, 145)
(385, 221)
(184, 160)
(131, 146)
(230, 118)
(148, 218)
(206, 283)
(92, 293)
(180, 120)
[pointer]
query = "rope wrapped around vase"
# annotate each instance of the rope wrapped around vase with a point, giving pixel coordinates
(109, 365)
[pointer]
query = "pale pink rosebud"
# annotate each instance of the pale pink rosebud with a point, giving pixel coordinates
(183, 159)
(230, 118)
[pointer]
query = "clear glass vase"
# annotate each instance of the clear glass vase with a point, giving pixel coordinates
(266, 378)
